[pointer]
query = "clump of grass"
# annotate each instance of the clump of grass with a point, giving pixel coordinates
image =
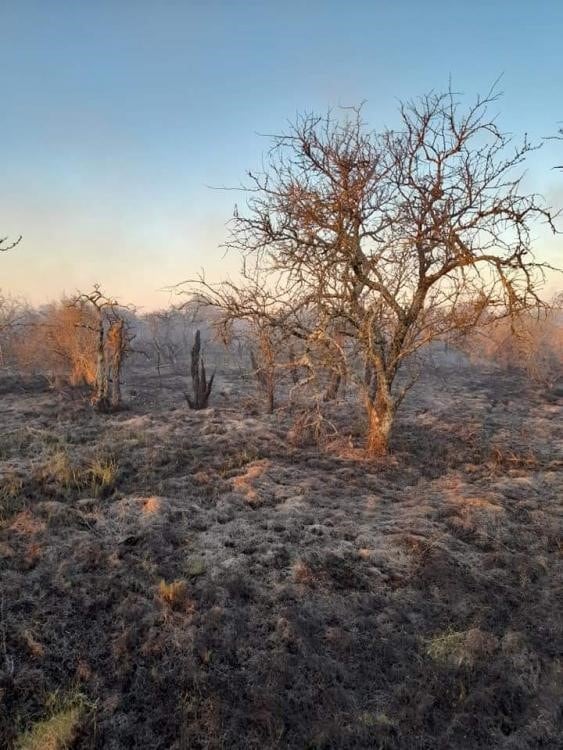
(25, 441)
(102, 473)
(502, 460)
(67, 475)
(59, 729)
(447, 648)
(59, 470)
(11, 501)
(173, 594)
(237, 461)
(14, 443)
(457, 648)
(56, 733)
(302, 573)
(195, 567)
(369, 719)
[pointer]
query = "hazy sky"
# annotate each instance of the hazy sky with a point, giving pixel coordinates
(117, 116)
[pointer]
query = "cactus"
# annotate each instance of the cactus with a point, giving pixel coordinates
(200, 385)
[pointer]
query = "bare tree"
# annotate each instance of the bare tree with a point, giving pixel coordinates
(6, 305)
(558, 137)
(263, 341)
(387, 241)
(167, 337)
(12, 313)
(112, 342)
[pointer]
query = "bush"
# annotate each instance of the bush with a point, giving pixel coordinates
(60, 343)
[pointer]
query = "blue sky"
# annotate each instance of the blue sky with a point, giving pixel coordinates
(117, 116)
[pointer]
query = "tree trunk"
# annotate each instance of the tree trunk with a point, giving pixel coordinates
(116, 343)
(293, 370)
(380, 421)
(271, 394)
(101, 395)
(116, 390)
(333, 387)
(266, 376)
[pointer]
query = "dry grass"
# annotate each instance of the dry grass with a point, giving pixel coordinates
(236, 461)
(173, 594)
(56, 733)
(458, 648)
(11, 500)
(302, 573)
(246, 483)
(61, 727)
(69, 474)
(102, 473)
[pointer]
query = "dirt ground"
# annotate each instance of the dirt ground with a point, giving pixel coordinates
(174, 579)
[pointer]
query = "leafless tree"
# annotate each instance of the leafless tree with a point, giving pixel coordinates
(558, 137)
(12, 313)
(387, 241)
(112, 341)
(164, 344)
(7, 307)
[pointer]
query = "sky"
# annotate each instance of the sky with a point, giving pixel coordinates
(120, 119)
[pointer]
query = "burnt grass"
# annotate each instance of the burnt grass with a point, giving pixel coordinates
(202, 582)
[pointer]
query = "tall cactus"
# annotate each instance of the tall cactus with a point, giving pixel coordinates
(200, 385)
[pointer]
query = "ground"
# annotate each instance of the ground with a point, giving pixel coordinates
(175, 579)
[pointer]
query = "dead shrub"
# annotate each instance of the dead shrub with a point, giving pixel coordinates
(311, 427)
